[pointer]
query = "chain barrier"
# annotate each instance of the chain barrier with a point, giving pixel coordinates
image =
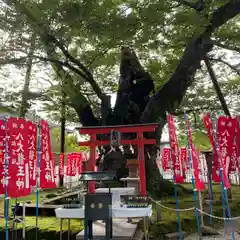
(191, 209)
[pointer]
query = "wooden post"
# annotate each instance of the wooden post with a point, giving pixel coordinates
(158, 211)
(91, 185)
(141, 165)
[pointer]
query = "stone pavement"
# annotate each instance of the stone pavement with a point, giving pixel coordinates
(222, 236)
(228, 236)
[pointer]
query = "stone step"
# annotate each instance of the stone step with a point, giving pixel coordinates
(122, 230)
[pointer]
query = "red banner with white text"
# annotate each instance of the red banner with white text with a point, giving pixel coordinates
(32, 152)
(166, 159)
(2, 165)
(46, 165)
(225, 127)
(18, 166)
(199, 183)
(226, 130)
(237, 133)
(177, 166)
(79, 163)
(183, 158)
(61, 165)
(71, 165)
(216, 166)
(233, 162)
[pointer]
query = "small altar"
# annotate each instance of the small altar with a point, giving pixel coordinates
(116, 210)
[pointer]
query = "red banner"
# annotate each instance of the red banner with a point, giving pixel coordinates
(32, 152)
(199, 183)
(233, 162)
(177, 166)
(46, 167)
(166, 159)
(71, 165)
(61, 165)
(183, 158)
(79, 162)
(238, 141)
(18, 157)
(69, 159)
(216, 166)
(226, 128)
(3, 168)
(74, 164)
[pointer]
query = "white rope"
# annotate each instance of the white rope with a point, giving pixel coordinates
(216, 217)
(193, 208)
(172, 209)
(175, 209)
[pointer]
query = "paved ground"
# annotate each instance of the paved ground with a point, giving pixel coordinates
(222, 236)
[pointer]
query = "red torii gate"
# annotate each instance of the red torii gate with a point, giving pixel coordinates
(140, 141)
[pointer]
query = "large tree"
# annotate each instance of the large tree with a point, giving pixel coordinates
(189, 29)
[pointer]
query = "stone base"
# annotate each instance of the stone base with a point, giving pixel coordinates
(132, 182)
(121, 230)
(208, 231)
(174, 236)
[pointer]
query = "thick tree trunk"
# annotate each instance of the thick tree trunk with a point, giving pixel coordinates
(62, 137)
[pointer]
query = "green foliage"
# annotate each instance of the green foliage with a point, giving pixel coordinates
(71, 142)
(200, 99)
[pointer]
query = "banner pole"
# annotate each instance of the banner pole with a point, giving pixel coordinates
(38, 175)
(6, 180)
(175, 191)
(24, 221)
(193, 181)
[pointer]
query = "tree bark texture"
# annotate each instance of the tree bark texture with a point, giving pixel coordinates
(62, 137)
(134, 104)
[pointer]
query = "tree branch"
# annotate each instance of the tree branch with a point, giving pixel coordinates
(234, 68)
(216, 86)
(178, 113)
(45, 32)
(224, 46)
(84, 71)
(198, 6)
(171, 94)
(13, 60)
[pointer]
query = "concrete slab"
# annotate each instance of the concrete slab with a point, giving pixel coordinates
(121, 230)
